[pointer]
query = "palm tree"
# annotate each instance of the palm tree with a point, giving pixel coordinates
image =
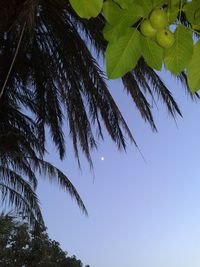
(48, 70)
(21, 160)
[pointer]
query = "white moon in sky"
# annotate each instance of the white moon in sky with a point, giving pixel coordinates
(102, 158)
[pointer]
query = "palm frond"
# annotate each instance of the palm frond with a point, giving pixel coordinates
(143, 71)
(17, 193)
(21, 160)
(49, 171)
(183, 79)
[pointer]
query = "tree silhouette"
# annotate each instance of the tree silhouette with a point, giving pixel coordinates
(23, 246)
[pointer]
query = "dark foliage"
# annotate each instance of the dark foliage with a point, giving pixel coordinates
(22, 246)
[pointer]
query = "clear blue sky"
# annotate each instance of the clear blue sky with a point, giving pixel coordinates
(143, 214)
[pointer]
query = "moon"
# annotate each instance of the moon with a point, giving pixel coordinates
(102, 158)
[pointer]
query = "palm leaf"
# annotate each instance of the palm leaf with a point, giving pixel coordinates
(49, 171)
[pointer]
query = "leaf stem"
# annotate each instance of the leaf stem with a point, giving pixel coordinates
(180, 10)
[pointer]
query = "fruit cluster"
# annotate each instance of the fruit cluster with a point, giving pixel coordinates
(156, 27)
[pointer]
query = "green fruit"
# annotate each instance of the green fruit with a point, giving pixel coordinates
(146, 29)
(165, 38)
(158, 19)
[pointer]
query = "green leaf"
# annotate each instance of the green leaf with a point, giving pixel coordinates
(111, 12)
(122, 56)
(173, 11)
(175, 2)
(131, 15)
(193, 70)
(158, 3)
(125, 3)
(192, 12)
(113, 33)
(197, 16)
(152, 53)
(87, 8)
(149, 5)
(125, 19)
(178, 56)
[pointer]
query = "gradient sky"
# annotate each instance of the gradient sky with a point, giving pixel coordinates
(142, 214)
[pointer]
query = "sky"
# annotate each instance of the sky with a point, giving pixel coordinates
(143, 213)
